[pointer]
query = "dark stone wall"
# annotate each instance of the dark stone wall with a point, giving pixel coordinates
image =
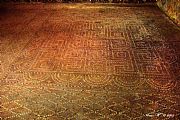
(102, 1)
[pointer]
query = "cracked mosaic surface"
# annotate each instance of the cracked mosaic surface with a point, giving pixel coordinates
(88, 62)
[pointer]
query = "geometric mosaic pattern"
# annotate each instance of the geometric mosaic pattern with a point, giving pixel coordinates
(88, 62)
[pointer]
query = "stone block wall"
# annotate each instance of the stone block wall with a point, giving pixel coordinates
(171, 8)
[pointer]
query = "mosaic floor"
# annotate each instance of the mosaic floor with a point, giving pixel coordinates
(88, 62)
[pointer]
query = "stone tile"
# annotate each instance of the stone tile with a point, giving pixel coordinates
(102, 62)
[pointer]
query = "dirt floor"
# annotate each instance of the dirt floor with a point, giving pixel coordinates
(88, 62)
